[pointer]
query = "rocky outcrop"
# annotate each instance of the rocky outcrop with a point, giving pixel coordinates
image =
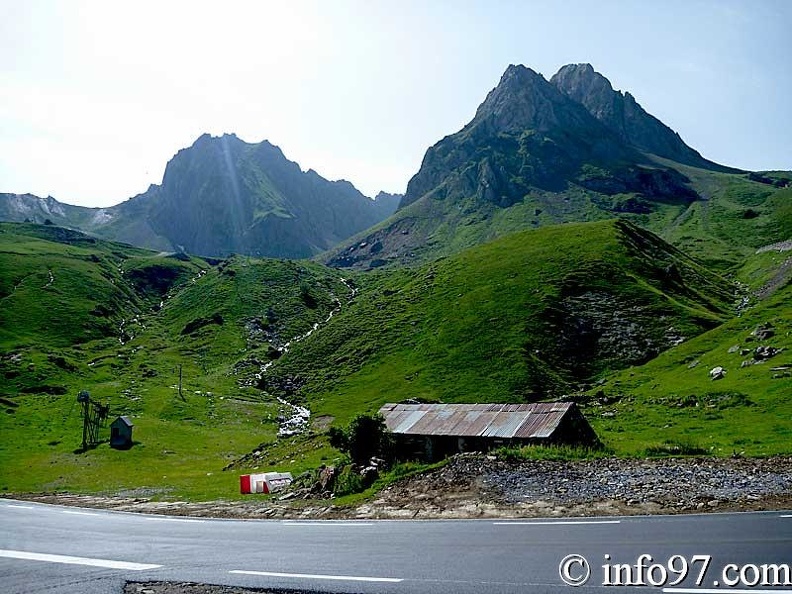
(623, 116)
(525, 133)
(224, 196)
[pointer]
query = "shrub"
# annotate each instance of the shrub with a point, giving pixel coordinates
(366, 437)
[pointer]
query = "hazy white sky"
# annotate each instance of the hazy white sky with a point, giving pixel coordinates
(96, 97)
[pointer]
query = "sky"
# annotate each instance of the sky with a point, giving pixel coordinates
(97, 96)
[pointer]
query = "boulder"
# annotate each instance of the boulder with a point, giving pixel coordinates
(717, 373)
(762, 353)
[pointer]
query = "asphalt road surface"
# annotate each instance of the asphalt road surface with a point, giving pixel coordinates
(52, 549)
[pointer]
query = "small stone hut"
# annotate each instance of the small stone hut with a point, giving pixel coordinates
(432, 431)
(121, 433)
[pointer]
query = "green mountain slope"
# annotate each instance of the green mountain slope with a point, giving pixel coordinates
(673, 405)
(524, 317)
(125, 324)
(201, 354)
(60, 287)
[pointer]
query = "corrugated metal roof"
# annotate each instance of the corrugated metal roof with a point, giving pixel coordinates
(504, 421)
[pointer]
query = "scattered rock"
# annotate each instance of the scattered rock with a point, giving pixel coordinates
(475, 486)
(717, 373)
(762, 353)
(763, 331)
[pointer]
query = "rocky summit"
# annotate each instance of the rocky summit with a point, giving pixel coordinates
(623, 116)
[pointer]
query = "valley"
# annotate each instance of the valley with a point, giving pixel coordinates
(565, 244)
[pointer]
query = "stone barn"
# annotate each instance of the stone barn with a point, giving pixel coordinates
(121, 433)
(432, 431)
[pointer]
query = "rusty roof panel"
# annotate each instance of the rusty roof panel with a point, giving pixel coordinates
(476, 422)
(540, 425)
(506, 421)
(427, 424)
(407, 421)
(552, 420)
(505, 424)
(447, 421)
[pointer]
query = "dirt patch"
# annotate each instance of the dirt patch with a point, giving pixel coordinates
(322, 423)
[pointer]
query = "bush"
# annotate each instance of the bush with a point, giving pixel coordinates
(366, 437)
(348, 482)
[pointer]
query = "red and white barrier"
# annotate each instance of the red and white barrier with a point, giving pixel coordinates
(265, 482)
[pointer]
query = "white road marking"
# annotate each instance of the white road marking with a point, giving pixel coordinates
(787, 516)
(20, 506)
(330, 523)
(311, 576)
(559, 523)
(172, 520)
(107, 563)
(80, 513)
(722, 590)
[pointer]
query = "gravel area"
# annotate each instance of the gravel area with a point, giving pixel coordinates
(475, 486)
(685, 483)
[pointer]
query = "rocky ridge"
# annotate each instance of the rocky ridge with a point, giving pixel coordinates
(622, 115)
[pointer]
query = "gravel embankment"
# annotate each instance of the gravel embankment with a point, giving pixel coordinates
(474, 486)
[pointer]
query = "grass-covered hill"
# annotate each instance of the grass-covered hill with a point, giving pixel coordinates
(79, 313)
(718, 218)
(673, 405)
(532, 315)
(529, 316)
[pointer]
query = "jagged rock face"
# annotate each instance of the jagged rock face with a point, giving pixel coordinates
(542, 147)
(224, 196)
(27, 207)
(525, 133)
(387, 203)
(623, 116)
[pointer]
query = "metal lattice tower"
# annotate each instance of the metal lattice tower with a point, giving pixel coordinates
(94, 417)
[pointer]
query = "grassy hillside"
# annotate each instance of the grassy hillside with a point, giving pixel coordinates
(735, 217)
(672, 405)
(525, 317)
(529, 316)
(121, 323)
(718, 218)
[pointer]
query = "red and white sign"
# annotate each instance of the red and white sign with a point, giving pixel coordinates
(265, 482)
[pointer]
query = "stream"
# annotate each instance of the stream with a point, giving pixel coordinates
(294, 419)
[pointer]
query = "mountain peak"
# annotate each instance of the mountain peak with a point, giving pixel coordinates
(523, 99)
(521, 73)
(624, 116)
(585, 85)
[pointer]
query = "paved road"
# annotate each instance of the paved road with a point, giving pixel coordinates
(54, 549)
